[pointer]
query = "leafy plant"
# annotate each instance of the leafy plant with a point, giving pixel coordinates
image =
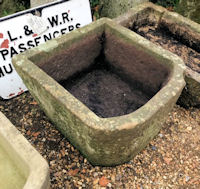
(166, 3)
(21, 5)
(94, 3)
(8, 7)
(96, 8)
(5, 13)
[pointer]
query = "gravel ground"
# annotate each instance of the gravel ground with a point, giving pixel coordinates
(171, 160)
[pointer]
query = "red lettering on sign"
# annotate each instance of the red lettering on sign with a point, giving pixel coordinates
(1, 35)
(19, 93)
(12, 94)
(35, 34)
(5, 44)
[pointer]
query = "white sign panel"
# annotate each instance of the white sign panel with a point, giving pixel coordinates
(30, 28)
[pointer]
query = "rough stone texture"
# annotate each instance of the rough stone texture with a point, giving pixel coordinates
(191, 93)
(185, 29)
(35, 3)
(114, 8)
(31, 164)
(190, 9)
(104, 141)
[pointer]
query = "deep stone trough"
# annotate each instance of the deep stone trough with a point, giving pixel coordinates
(175, 33)
(75, 77)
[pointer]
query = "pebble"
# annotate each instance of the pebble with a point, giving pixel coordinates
(64, 171)
(187, 178)
(153, 148)
(95, 181)
(95, 174)
(83, 185)
(103, 181)
(189, 128)
(118, 177)
(167, 160)
(44, 139)
(109, 185)
(113, 178)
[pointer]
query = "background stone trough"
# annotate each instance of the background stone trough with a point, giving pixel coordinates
(175, 33)
(21, 166)
(107, 58)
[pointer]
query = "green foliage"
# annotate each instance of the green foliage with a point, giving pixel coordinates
(96, 8)
(94, 3)
(8, 7)
(166, 3)
(4, 13)
(21, 5)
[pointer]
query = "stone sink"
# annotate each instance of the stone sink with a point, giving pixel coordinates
(106, 88)
(184, 31)
(21, 166)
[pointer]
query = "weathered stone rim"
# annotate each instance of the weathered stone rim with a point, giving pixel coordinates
(174, 85)
(36, 167)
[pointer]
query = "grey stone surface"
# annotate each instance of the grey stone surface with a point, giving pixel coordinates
(178, 25)
(114, 8)
(35, 3)
(104, 141)
(30, 163)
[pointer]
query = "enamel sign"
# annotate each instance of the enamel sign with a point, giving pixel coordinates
(28, 29)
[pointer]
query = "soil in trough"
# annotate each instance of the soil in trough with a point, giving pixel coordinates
(163, 37)
(104, 92)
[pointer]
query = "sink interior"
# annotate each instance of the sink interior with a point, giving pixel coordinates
(10, 175)
(106, 73)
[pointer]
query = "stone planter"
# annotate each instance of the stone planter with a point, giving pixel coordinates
(110, 62)
(184, 32)
(21, 166)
